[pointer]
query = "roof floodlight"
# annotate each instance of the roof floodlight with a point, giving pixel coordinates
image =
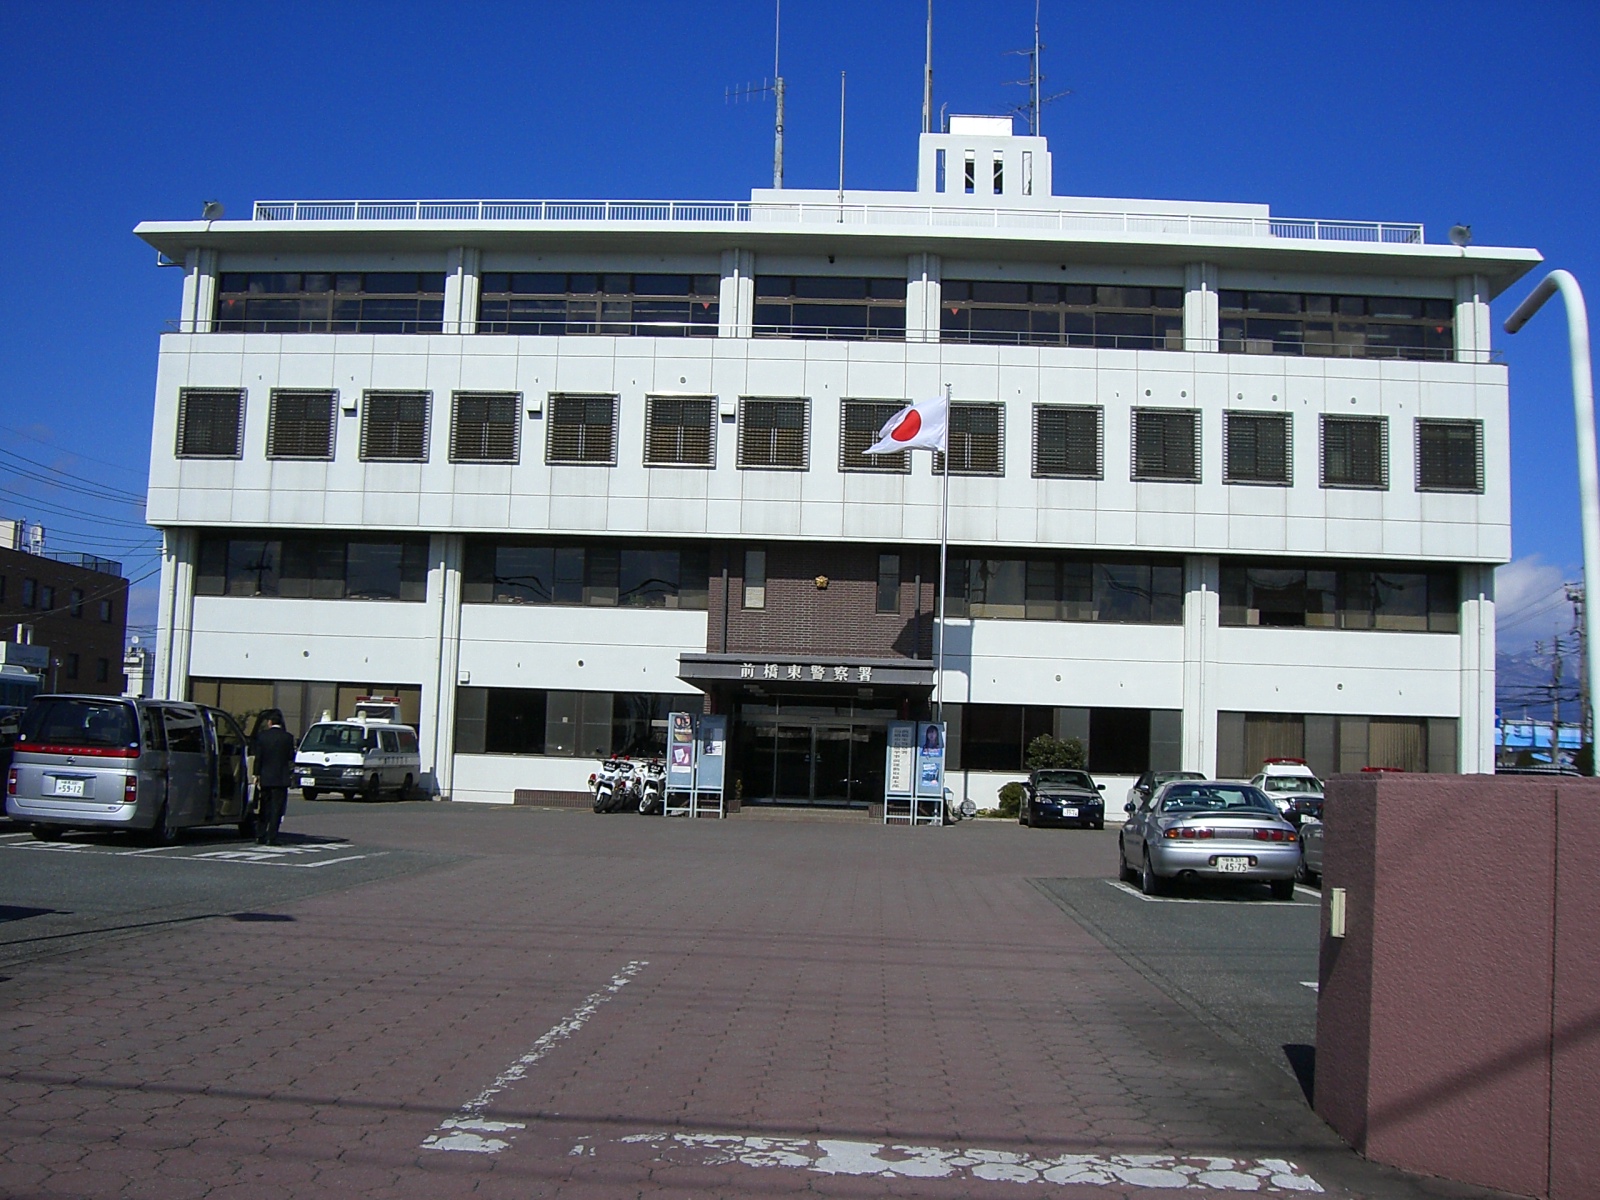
(211, 211)
(1461, 235)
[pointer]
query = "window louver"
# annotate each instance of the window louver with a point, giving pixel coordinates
(210, 423)
(976, 439)
(583, 430)
(394, 426)
(1450, 456)
(1355, 452)
(860, 422)
(1067, 442)
(774, 434)
(483, 427)
(1166, 444)
(300, 424)
(680, 431)
(1258, 448)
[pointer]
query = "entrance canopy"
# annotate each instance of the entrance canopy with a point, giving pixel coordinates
(804, 672)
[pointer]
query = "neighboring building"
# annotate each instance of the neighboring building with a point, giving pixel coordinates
(64, 616)
(1223, 484)
(138, 669)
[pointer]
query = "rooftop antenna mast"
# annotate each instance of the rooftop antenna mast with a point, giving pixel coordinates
(927, 78)
(775, 86)
(1034, 106)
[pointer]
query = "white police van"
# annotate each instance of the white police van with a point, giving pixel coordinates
(366, 756)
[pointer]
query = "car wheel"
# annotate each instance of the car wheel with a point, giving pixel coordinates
(1098, 825)
(405, 788)
(1304, 874)
(1150, 883)
(1124, 872)
(308, 794)
(46, 833)
(163, 832)
(372, 790)
(1282, 889)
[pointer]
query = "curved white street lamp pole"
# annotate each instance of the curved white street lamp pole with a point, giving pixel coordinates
(1588, 478)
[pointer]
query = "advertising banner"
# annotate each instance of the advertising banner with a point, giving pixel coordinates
(930, 759)
(680, 752)
(711, 752)
(899, 772)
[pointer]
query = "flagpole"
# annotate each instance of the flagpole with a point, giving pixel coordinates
(944, 550)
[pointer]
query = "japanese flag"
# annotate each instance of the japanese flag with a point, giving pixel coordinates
(918, 426)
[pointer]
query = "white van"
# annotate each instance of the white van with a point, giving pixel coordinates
(365, 756)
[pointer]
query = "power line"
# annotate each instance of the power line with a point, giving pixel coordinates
(122, 466)
(133, 497)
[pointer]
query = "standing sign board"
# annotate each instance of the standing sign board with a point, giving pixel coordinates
(913, 775)
(696, 757)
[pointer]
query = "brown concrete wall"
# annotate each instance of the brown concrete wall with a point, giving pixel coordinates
(1458, 1023)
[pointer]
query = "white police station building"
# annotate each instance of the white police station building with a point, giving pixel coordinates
(1223, 485)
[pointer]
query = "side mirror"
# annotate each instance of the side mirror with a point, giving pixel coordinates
(1099, 787)
(1128, 807)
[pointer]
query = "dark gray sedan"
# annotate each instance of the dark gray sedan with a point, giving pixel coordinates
(1209, 829)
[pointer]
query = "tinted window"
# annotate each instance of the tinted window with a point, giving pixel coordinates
(334, 738)
(1214, 798)
(185, 733)
(85, 723)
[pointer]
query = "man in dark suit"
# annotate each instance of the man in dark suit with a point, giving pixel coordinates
(274, 773)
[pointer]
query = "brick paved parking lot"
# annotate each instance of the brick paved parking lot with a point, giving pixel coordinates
(520, 1003)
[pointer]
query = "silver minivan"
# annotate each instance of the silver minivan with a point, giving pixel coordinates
(113, 762)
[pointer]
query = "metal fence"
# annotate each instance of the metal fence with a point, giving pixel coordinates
(780, 213)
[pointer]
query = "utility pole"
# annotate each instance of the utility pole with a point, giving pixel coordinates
(1575, 594)
(1555, 702)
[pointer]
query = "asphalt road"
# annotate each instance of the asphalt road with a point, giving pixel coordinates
(427, 1000)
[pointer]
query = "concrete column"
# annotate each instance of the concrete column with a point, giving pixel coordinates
(438, 720)
(1473, 336)
(923, 274)
(1476, 728)
(736, 301)
(175, 613)
(461, 290)
(1201, 326)
(1201, 612)
(199, 290)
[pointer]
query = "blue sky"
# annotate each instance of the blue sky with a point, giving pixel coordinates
(115, 113)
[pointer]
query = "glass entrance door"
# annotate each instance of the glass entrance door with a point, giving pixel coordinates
(811, 759)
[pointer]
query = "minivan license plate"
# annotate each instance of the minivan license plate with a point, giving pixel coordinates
(69, 787)
(1233, 864)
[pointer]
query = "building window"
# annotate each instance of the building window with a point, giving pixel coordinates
(300, 424)
(1166, 444)
(1066, 442)
(1065, 588)
(1117, 741)
(327, 302)
(774, 434)
(680, 431)
(556, 305)
(313, 566)
(1340, 595)
(72, 666)
(582, 431)
(1449, 456)
(30, 592)
(1333, 744)
(394, 426)
(755, 578)
(47, 598)
(75, 601)
(830, 307)
(1355, 452)
(563, 724)
(976, 440)
(608, 575)
(1257, 448)
(484, 426)
(210, 423)
(1012, 312)
(860, 421)
(102, 670)
(1337, 326)
(105, 611)
(888, 583)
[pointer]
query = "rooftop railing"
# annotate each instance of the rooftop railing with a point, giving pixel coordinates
(884, 216)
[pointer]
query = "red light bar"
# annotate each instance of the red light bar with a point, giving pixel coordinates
(1297, 762)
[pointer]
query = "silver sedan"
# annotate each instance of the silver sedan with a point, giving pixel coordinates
(1208, 830)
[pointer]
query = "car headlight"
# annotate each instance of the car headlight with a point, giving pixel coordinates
(348, 771)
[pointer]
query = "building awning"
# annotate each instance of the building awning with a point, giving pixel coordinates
(805, 671)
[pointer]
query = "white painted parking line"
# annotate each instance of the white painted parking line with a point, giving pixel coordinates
(466, 1130)
(11, 837)
(1128, 889)
(1310, 983)
(1198, 1172)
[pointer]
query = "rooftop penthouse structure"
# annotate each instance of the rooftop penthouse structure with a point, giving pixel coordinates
(1223, 485)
